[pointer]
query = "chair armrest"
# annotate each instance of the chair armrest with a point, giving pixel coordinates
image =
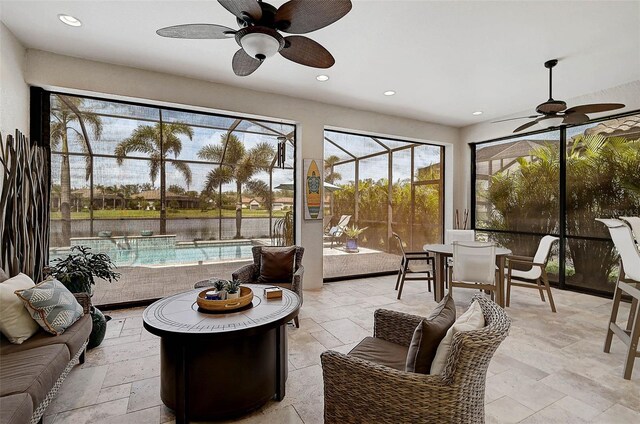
(520, 258)
(245, 274)
(296, 284)
(359, 391)
(395, 327)
(523, 262)
(85, 300)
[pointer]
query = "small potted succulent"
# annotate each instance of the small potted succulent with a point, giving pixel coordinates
(221, 288)
(352, 234)
(233, 289)
(78, 272)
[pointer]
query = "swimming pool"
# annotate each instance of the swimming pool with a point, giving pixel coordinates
(180, 254)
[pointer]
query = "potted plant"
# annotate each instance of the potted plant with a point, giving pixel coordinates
(221, 287)
(352, 234)
(233, 289)
(78, 272)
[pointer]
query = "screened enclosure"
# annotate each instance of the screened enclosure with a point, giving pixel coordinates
(382, 186)
(558, 182)
(164, 191)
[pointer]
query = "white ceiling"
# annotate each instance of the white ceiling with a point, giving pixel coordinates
(444, 59)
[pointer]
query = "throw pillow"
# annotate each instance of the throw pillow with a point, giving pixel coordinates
(3, 276)
(52, 305)
(15, 322)
(471, 320)
(428, 335)
(277, 265)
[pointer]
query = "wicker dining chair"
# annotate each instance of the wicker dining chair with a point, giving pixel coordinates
(405, 268)
(360, 391)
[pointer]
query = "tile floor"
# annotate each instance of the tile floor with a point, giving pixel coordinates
(551, 368)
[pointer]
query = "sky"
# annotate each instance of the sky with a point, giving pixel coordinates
(107, 172)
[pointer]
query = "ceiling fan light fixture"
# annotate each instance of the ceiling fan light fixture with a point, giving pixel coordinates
(551, 122)
(389, 93)
(322, 78)
(260, 45)
(477, 112)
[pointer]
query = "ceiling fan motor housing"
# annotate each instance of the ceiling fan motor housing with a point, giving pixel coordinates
(551, 107)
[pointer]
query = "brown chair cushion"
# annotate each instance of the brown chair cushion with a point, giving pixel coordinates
(33, 371)
(16, 409)
(381, 352)
(73, 338)
(277, 265)
(428, 335)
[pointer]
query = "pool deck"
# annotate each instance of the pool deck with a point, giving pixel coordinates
(141, 283)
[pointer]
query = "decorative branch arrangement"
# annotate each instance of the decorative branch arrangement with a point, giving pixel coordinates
(465, 220)
(24, 207)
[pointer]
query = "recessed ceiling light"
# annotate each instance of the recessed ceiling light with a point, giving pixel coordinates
(477, 112)
(389, 93)
(70, 20)
(322, 77)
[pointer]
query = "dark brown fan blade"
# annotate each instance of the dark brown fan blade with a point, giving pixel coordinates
(525, 126)
(243, 64)
(302, 16)
(595, 108)
(575, 118)
(196, 31)
(307, 52)
(240, 7)
(514, 119)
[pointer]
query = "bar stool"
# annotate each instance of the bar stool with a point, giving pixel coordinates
(628, 283)
(407, 258)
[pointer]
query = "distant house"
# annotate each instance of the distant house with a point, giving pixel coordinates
(182, 201)
(282, 203)
(278, 203)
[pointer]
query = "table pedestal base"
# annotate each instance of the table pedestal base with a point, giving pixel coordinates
(211, 379)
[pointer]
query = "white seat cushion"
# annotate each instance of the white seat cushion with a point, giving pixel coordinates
(15, 321)
(472, 319)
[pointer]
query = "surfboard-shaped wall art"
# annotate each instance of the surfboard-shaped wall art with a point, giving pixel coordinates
(313, 189)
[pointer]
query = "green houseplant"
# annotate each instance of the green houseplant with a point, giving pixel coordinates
(233, 289)
(78, 272)
(352, 234)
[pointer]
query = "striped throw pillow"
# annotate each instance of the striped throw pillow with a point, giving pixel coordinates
(52, 305)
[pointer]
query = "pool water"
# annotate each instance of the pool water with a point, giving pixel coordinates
(178, 255)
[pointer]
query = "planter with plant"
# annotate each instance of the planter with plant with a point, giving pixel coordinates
(78, 272)
(233, 289)
(221, 287)
(352, 234)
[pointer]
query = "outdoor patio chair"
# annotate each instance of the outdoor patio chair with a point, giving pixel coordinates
(337, 231)
(634, 223)
(474, 267)
(362, 391)
(628, 284)
(249, 274)
(455, 235)
(536, 272)
(405, 267)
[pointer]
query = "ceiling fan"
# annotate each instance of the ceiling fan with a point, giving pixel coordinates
(553, 113)
(260, 26)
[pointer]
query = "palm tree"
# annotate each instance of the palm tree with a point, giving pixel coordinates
(158, 142)
(331, 176)
(240, 165)
(65, 119)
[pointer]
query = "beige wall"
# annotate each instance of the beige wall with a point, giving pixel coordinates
(628, 94)
(54, 71)
(14, 92)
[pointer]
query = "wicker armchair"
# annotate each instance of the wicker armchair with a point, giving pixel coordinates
(359, 391)
(249, 273)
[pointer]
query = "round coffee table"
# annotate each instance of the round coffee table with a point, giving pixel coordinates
(218, 365)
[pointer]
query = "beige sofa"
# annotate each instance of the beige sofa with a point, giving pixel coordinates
(32, 372)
